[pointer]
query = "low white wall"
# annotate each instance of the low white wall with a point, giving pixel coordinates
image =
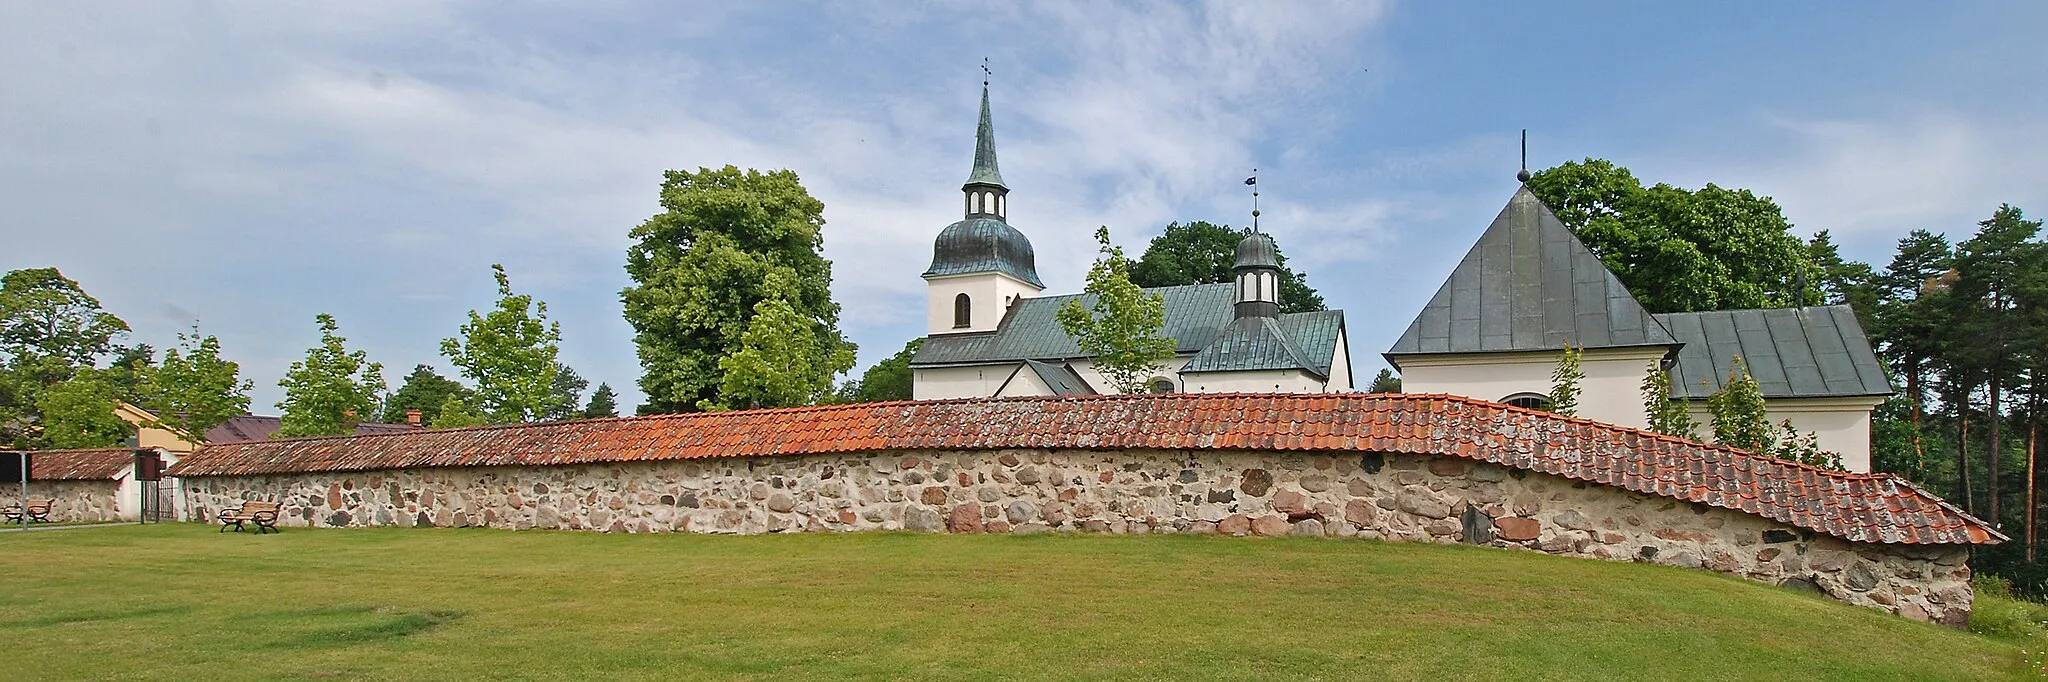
(1842, 425)
(1611, 391)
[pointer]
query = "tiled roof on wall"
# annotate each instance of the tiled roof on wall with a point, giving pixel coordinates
(80, 465)
(1859, 507)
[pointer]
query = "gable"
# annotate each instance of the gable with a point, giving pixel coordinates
(1529, 284)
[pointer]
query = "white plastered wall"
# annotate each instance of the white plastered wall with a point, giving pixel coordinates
(1025, 382)
(979, 381)
(1255, 381)
(1611, 391)
(1340, 367)
(1841, 425)
(989, 292)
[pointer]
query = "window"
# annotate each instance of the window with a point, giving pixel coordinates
(1533, 401)
(1000, 205)
(1162, 385)
(963, 312)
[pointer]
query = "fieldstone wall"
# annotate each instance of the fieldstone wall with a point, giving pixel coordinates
(1389, 497)
(76, 501)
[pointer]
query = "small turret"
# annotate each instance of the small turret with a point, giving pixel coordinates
(1258, 277)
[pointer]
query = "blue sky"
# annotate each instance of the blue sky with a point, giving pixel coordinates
(250, 164)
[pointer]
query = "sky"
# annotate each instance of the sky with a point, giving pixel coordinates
(248, 165)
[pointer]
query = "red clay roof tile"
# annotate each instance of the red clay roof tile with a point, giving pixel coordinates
(1861, 507)
(80, 465)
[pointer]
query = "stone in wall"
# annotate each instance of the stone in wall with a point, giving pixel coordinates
(75, 501)
(1372, 496)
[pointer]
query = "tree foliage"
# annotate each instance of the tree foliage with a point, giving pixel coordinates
(1385, 382)
(890, 379)
(424, 390)
(509, 355)
(1676, 250)
(44, 314)
(456, 412)
(1124, 330)
(568, 390)
(195, 389)
(1564, 382)
(603, 403)
(1202, 252)
(1738, 414)
(331, 390)
(725, 242)
(782, 362)
(50, 332)
(1667, 415)
(79, 413)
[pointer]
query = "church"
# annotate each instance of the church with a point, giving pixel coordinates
(992, 333)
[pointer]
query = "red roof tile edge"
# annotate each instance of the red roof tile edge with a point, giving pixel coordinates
(96, 464)
(1879, 508)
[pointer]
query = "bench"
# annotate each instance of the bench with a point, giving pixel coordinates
(263, 514)
(38, 511)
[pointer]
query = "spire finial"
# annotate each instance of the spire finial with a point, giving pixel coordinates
(1524, 175)
(1254, 182)
(985, 171)
(984, 73)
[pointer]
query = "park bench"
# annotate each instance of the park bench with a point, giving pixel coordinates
(263, 514)
(38, 511)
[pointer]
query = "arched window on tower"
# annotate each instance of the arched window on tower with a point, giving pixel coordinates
(963, 312)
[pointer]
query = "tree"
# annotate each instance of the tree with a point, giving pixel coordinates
(1667, 415)
(568, 389)
(1385, 382)
(702, 267)
(1910, 316)
(1201, 252)
(1678, 250)
(424, 390)
(79, 413)
(195, 389)
(1739, 420)
(1124, 330)
(782, 361)
(45, 314)
(510, 356)
(889, 379)
(331, 390)
(1564, 383)
(603, 403)
(455, 412)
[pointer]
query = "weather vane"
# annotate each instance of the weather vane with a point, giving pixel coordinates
(1254, 182)
(984, 72)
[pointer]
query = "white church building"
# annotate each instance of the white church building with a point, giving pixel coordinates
(991, 332)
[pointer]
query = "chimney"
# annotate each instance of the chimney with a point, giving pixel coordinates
(412, 418)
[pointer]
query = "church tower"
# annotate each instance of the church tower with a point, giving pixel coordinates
(1258, 277)
(980, 265)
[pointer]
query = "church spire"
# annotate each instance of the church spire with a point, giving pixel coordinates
(985, 171)
(987, 196)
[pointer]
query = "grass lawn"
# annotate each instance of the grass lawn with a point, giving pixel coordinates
(182, 602)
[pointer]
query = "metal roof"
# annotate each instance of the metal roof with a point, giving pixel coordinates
(1812, 352)
(983, 244)
(1063, 380)
(985, 171)
(1195, 315)
(1529, 284)
(1249, 344)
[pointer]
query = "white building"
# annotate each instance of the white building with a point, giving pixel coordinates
(1497, 327)
(991, 333)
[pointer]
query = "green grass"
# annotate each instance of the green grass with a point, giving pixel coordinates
(180, 602)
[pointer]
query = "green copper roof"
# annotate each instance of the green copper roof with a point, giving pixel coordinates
(1196, 316)
(1250, 343)
(1256, 250)
(983, 245)
(985, 171)
(1813, 352)
(1529, 284)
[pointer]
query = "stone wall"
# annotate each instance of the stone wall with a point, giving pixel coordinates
(1389, 497)
(77, 501)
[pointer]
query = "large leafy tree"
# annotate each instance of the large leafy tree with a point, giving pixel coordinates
(1709, 249)
(725, 242)
(1124, 331)
(195, 389)
(782, 361)
(509, 354)
(424, 390)
(1202, 252)
(331, 390)
(79, 413)
(51, 331)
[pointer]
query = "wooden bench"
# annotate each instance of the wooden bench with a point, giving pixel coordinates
(38, 511)
(263, 514)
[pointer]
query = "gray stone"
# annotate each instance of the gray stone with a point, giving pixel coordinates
(1020, 512)
(1686, 560)
(1310, 528)
(1420, 502)
(1859, 577)
(1572, 519)
(1489, 473)
(1315, 483)
(1189, 476)
(1221, 496)
(781, 502)
(340, 519)
(923, 519)
(987, 494)
(1806, 585)
(688, 500)
(1478, 526)
(1028, 476)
